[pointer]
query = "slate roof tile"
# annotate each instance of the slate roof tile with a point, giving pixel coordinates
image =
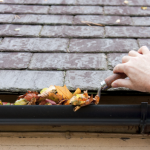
(144, 42)
(14, 60)
(72, 42)
(68, 61)
(85, 79)
(59, 2)
(122, 31)
(114, 59)
(44, 19)
(23, 80)
(124, 10)
(72, 31)
(6, 18)
(76, 10)
(20, 30)
(34, 44)
(99, 2)
(104, 20)
(141, 21)
(24, 9)
(102, 45)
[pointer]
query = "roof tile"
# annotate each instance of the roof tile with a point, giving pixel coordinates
(51, 2)
(139, 2)
(24, 80)
(76, 10)
(144, 42)
(106, 20)
(44, 19)
(141, 21)
(102, 45)
(124, 10)
(85, 79)
(14, 60)
(72, 31)
(19, 30)
(12, 1)
(114, 59)
(24, 9)
(68, 61)
(6, 18)
(34, 44)
(99, 2)
(127, 31)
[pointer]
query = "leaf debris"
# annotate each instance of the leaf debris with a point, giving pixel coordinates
(16, 16)
(144, 8)
(56, 95)
(88, 23)
(126, 2)
(17, 29)
(118, 20)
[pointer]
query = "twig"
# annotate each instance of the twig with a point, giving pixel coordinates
(88, 22)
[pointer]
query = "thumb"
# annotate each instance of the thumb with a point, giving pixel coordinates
(122, 83)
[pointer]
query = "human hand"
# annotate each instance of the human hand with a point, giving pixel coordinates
(137, 67)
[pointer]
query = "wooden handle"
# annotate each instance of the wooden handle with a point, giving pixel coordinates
(114, 77)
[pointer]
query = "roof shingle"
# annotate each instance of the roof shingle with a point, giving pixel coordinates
(72, 42)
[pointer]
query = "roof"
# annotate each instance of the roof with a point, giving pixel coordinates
(53, 42)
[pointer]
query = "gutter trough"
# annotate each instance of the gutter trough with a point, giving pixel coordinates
(136, 115)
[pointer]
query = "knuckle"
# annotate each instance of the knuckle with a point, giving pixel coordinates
(127, 67)
(130, 52)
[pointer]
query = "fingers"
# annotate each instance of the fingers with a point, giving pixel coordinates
(143, 50)
(126, 59)
(119, 68)
(133, 53)
(122, 83)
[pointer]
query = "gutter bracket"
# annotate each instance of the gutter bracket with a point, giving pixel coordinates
(144, 110)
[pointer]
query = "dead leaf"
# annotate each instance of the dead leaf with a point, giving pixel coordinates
(44, 102)
(126, 2)
(144, 8)
(50, 101)
(96, 99)
(16, 16)
(45, 92)
(1, 102)
(55, 97)
(118, 20)
(78, 91)
(88, 22)
(64, 92)
(17, 29)
(33, 101)
(62, 102)
(29, 95)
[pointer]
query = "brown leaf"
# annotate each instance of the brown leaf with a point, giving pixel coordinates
(64, 92)
(33, 101)
(55, 97)
(96, 99)
(29, 95)
(62, 102)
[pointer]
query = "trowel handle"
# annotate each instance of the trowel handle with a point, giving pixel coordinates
(106, 84)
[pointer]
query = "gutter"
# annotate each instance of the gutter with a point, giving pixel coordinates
(138, 115)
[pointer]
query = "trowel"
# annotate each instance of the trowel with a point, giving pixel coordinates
(106, 84)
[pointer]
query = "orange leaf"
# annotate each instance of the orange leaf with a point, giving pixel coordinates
(97, 99)
(64, 92)
(78, 91)
(55, 97)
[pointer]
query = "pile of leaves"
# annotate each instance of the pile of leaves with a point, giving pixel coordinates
(56, 95)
